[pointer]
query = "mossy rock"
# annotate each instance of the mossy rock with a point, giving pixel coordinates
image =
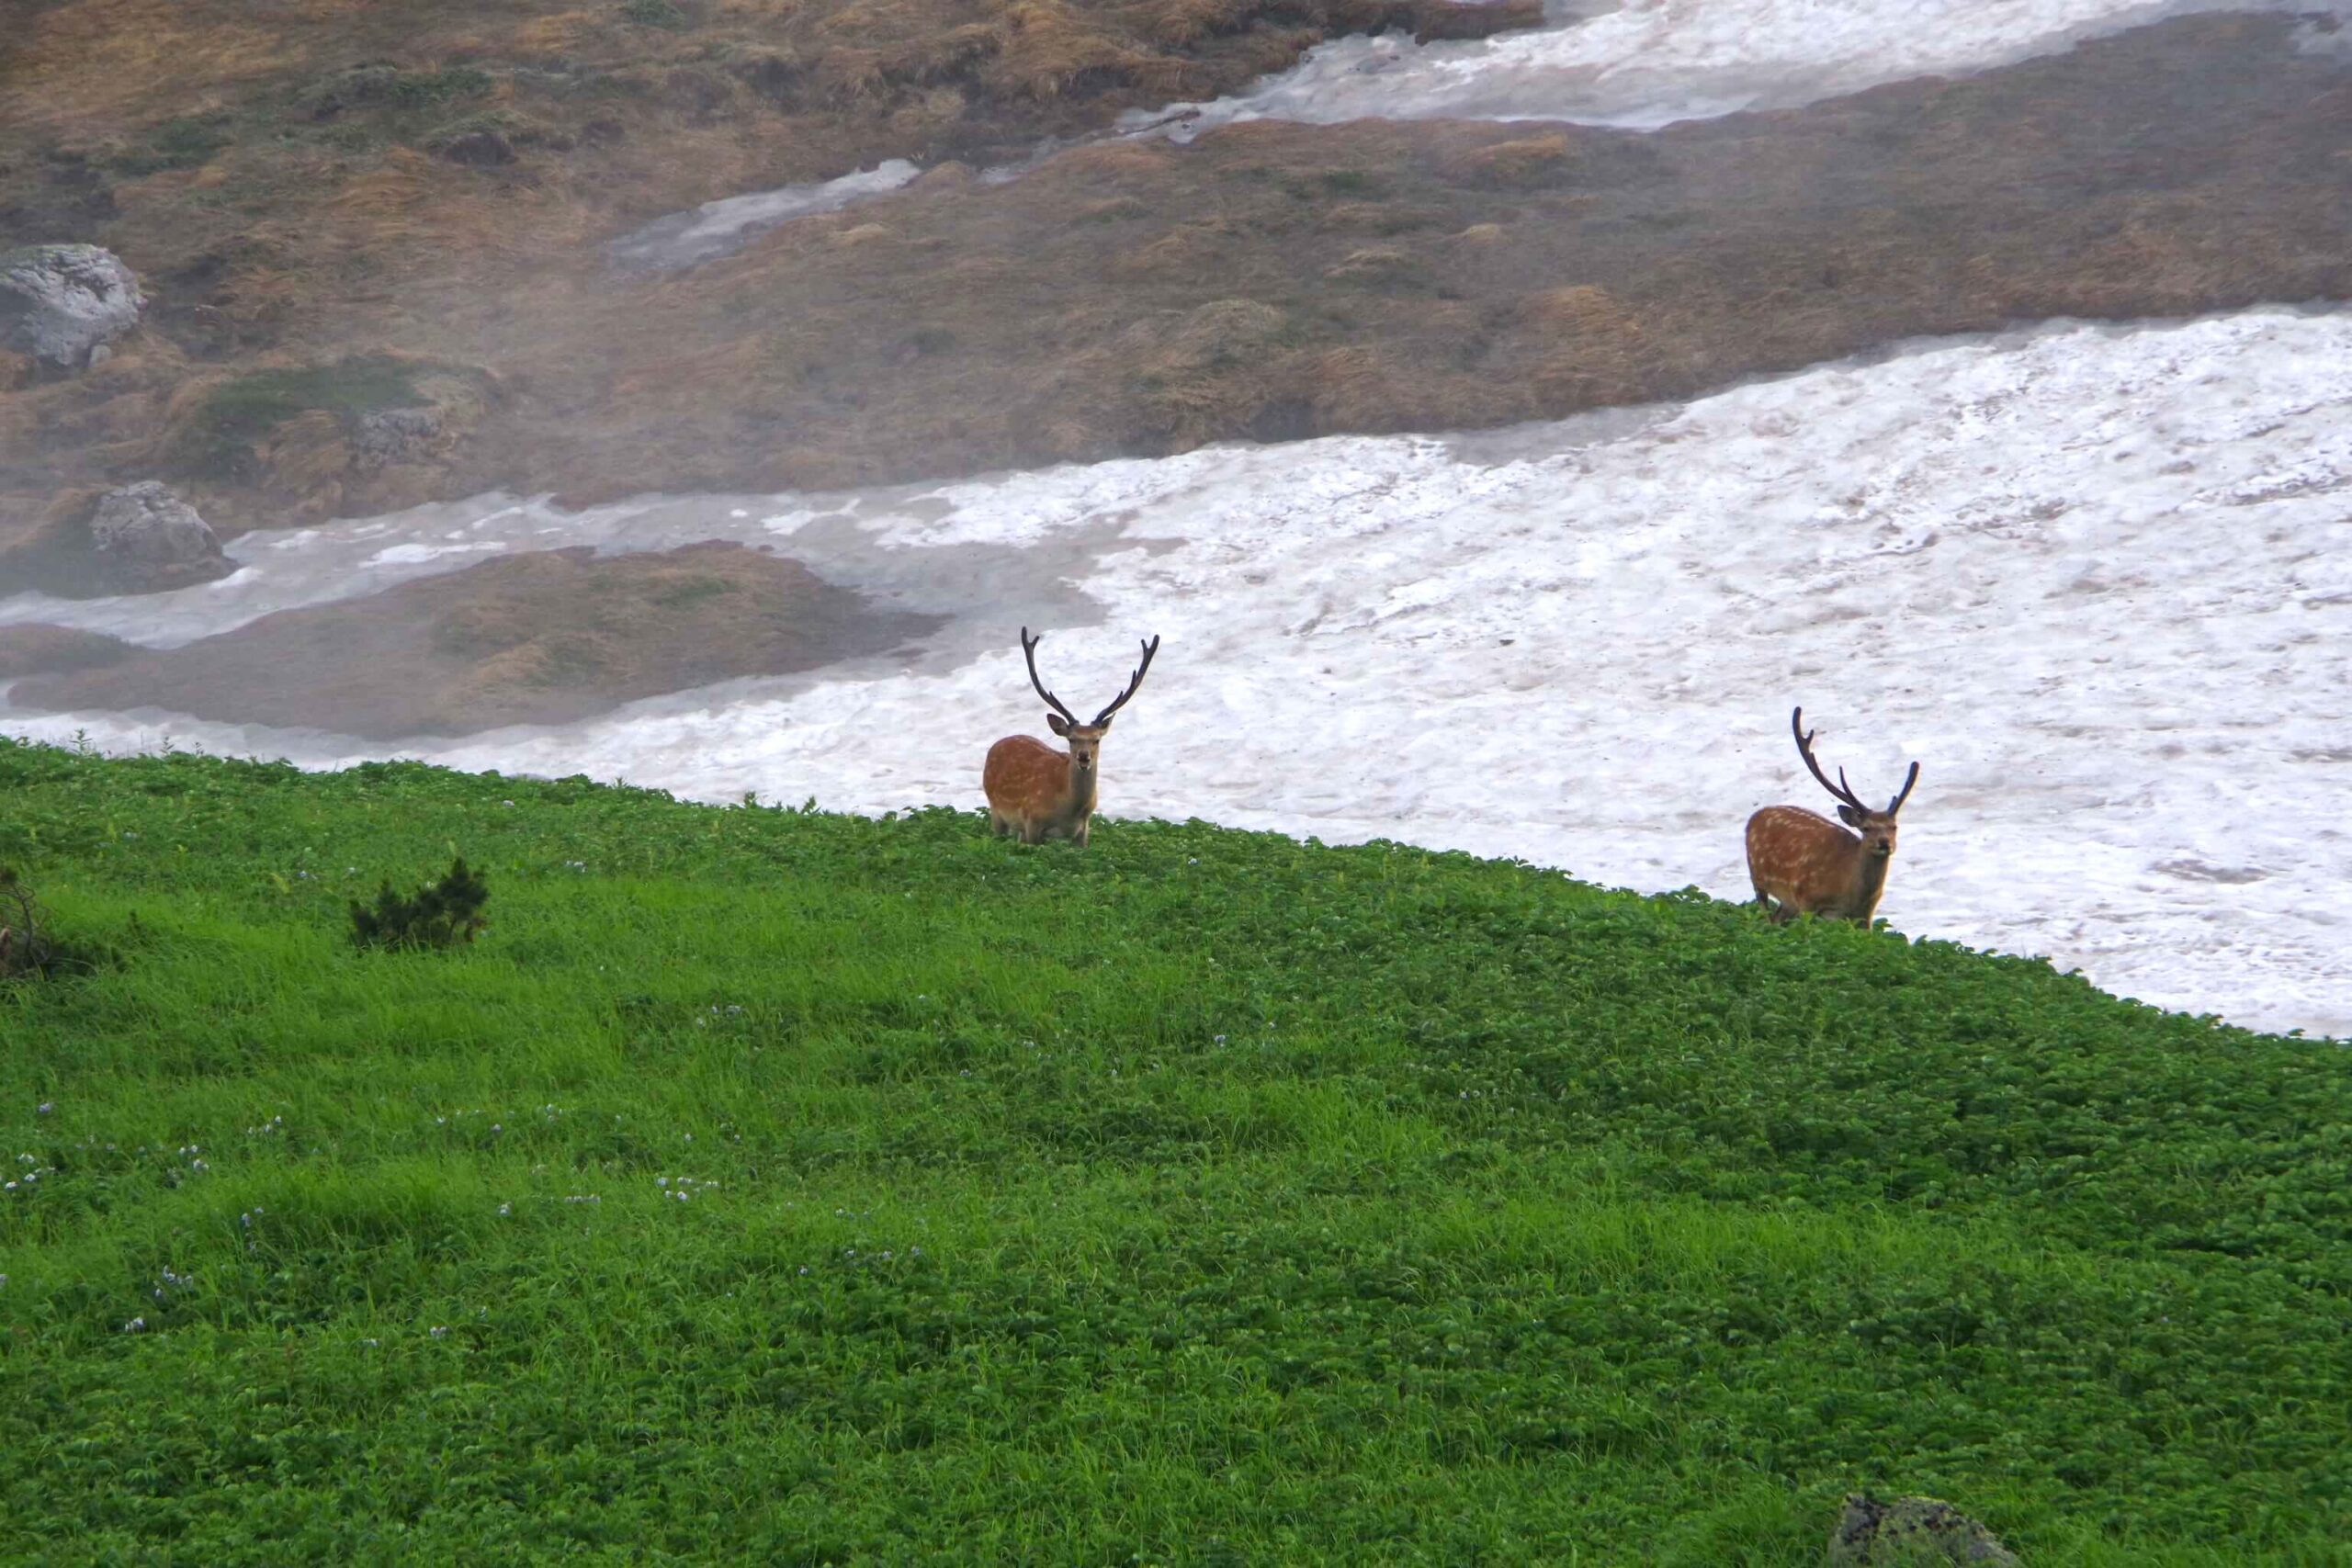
(217, 440)
(1912, 1532)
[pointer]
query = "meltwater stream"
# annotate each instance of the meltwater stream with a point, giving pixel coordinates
(2097, 581)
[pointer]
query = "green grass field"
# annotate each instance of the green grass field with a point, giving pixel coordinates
(783, 1188)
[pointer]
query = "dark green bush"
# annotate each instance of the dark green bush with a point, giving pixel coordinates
(440, 914)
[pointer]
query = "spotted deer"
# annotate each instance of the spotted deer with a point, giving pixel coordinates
(1803, 864)
(1040, 792)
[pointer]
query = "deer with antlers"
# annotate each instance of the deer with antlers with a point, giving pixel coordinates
(1040, 792)
(1803, 864)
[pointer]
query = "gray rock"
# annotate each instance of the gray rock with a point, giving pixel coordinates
(1912, 1532)
(145, 539)
(395, 436)
(59, 302)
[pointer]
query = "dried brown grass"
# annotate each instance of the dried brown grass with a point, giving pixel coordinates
(1270, 280)
(1520, 161)
(306, 460)
(77, 66)
(1591, 349)
(1045, 48)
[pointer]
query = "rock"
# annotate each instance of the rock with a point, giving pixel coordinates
(1912, 1532)
(147, 539)
(395, 436)
(59, 302)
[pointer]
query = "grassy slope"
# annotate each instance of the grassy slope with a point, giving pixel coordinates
(1203, 1197)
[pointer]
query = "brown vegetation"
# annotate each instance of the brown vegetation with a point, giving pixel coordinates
(539, 638)
(299, 182)
(404, 325)
(1140, 297)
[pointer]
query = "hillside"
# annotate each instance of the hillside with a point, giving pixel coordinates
(379, 242)
(338, 207)
(784, 1186)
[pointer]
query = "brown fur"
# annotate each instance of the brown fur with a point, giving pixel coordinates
(1038, 793)
(1803, 864)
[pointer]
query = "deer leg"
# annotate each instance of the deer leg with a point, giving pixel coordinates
(1078, 834)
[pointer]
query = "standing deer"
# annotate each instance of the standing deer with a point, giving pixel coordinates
(1040, 792)
(1803, 864)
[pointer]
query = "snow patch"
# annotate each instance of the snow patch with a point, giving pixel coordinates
(716, 227)
(1651, 63)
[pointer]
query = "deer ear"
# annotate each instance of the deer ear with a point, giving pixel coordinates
(1848, 816)
(1057, 723)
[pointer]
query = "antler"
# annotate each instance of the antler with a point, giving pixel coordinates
(1841, 789)
(1116, 703)
(1899, 799)
(1029, 652)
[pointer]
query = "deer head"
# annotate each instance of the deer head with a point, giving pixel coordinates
(1085, 739)
(1877, 827)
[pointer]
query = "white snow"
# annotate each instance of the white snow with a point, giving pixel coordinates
(2097, 581)
(1650, 62)
(715, 228)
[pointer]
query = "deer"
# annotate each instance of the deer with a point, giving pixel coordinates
(1803, 864)
(1038, 792)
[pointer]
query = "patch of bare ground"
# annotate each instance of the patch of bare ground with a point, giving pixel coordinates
(37, 649)
(541, 638)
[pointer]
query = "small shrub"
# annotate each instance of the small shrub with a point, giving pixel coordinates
(184, 142)
(440, 914)
(27, 948)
